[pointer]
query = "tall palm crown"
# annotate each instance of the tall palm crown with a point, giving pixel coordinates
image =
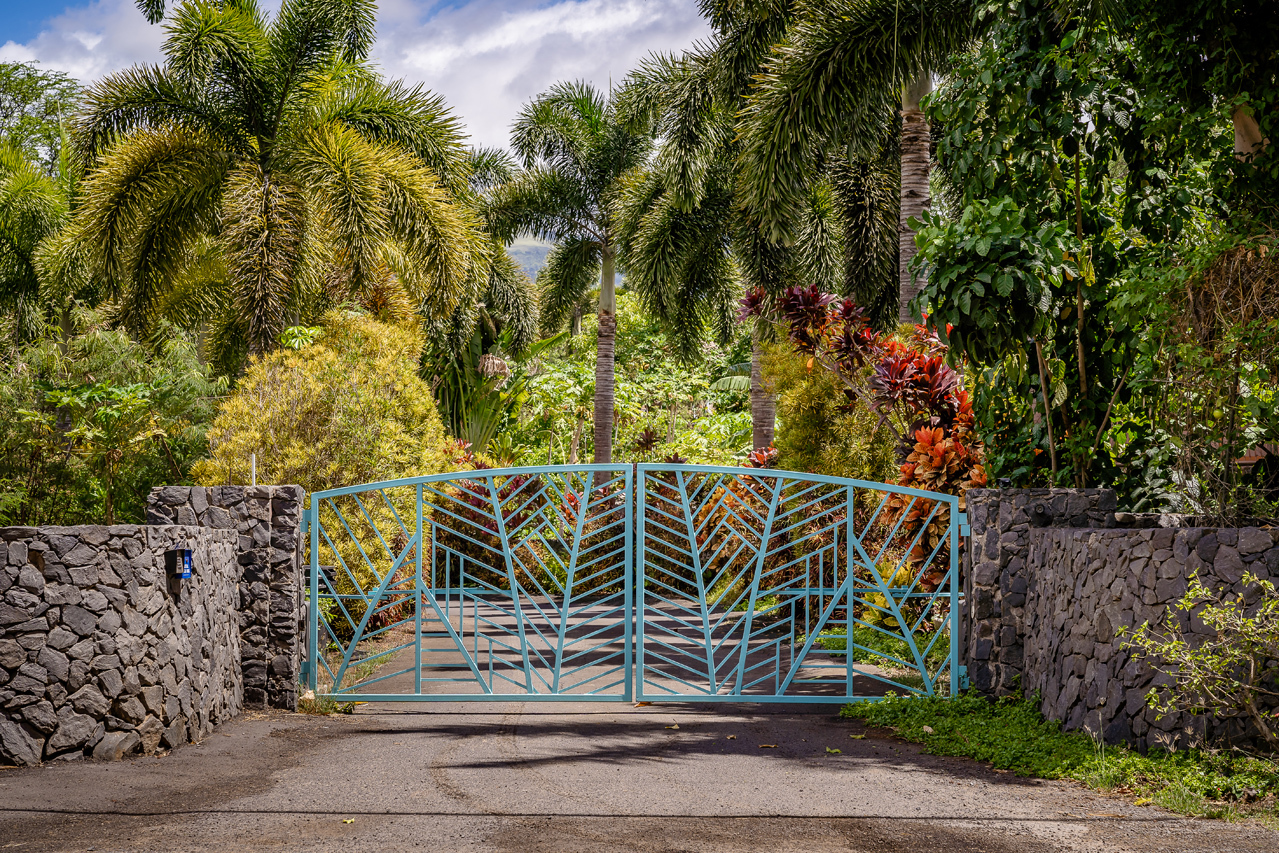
(266, 160)
(838, 73)
(576, 153)
(687, 238)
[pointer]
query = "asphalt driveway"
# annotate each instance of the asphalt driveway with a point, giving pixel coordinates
(563, 778)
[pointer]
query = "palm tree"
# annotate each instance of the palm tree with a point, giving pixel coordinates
(576, 153)
(33, 206)
(841, 69)
(687, 238)
(265, 168)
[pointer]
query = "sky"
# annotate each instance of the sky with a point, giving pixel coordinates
(486, 57)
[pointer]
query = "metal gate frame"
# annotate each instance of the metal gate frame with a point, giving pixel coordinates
(631, 525)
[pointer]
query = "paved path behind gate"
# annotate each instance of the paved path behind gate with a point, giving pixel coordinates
(572, 778)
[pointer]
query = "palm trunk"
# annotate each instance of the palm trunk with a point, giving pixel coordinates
(914, 189)
(576, 328)
(604, 397)
(763, 405)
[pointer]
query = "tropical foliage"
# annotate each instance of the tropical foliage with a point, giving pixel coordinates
(264, 172)
(347, 408)
(1073, 209)
(92, 422)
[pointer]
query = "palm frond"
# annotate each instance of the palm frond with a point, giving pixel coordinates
(835, 78)
(559, 127)
(147, 178)
(572, 270)
(399, 115)
(32, 207)
(510, 297)
(263, 221)
(306, 35)
(147, 97)
(545, 204)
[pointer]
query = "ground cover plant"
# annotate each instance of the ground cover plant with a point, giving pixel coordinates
(1013, 735)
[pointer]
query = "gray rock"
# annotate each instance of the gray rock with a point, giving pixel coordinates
(89, 700)
(95, 600)
(116, 745)
(82, 554)
(79, 620)
(74, 731)
(62, 593)
(41, 716)
(1227, 564)
(83, 650)
(1253, 541)
(12, 655)
(150, 730)
(111, 683)
(10, 615)
(175, 734)
(17, 553)
(30, 579)
(131, 710)
(17, 745)
(55, 662)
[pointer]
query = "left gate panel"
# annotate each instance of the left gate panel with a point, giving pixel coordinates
(484, 585)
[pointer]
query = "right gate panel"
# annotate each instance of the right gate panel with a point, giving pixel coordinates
(777, 586)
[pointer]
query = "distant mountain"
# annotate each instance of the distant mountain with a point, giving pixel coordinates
(530, 255)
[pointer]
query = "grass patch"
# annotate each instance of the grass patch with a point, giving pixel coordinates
(1011, 734)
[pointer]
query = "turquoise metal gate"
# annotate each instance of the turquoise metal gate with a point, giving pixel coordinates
(649, 582)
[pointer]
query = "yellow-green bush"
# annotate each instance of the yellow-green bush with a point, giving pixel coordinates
(814, 433)
(347, 409)
(344, 410)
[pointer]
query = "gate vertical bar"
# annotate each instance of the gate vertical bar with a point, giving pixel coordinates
(639, 508)
(417, 600)
(955, 520)
(848, 576)
(313, 623)
(628, 582)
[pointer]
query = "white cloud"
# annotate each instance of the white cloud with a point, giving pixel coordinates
(90, 41)
(486, 57)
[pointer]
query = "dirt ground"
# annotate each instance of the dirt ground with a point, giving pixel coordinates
(569, 777)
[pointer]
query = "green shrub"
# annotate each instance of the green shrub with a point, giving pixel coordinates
(346, 409)
(91, 424)
(349, 408)
(814, 433)
(1231, 671)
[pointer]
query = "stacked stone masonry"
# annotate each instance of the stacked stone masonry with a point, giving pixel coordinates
(995, 582)
(104, 651)
(273, 606)
(1085, 585)
(1049, 591)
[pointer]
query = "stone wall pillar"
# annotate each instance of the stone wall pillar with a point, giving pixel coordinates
(272, 592)
(995, 578)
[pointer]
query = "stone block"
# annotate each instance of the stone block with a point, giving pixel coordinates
(79, 620)
(1227, 564)
(116, 745)
(89, 700)
(18, 745)
(74, 731)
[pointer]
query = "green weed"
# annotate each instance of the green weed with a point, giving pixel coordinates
(1011, 734)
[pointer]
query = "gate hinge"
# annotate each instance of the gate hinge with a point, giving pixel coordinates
(964, 683)
(964, 528)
